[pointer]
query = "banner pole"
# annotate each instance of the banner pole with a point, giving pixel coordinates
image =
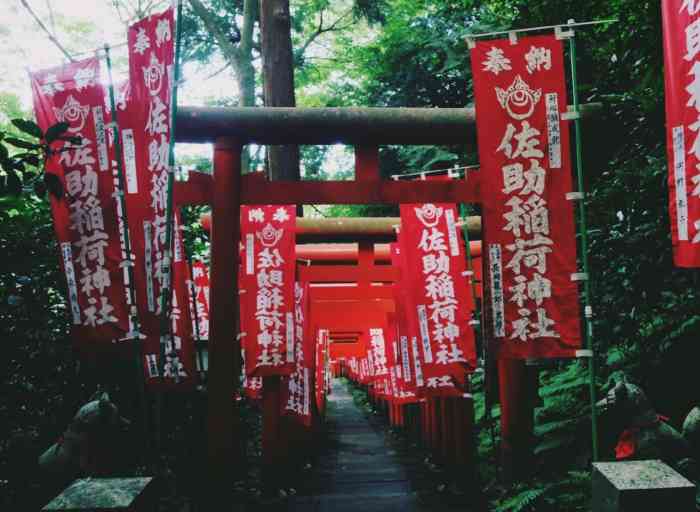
(583, 231)
(134, 326)
(166, 292)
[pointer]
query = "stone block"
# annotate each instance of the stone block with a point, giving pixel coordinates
(105, 494)
(628, 486)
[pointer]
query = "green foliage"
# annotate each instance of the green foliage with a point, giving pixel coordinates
(523, 501)
(23, 150)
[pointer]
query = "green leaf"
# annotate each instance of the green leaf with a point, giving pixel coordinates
(19, 143)
(55, 131)
(53, 184)
(32, 160)
(4, 154)
(77, 139)
(28, 127)
(14, 183)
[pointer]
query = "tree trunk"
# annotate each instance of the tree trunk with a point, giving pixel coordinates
(240, 56)
(278, 80)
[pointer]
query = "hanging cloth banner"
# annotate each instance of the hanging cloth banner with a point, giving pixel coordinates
(520, 94)
(268, 237)
(401, 391)
(200, 286)
(410, 371)
(440, 301)
(296, 389)
(145, 134)
(320, 369)
(682, 76)
(86, 222)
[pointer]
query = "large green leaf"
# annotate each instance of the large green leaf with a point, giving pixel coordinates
(28, 127)
(55, 131)
(19, 143)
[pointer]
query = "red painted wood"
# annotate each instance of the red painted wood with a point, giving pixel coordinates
(446, 431)
(367, 164)
(271, 432)
(340, 253)
(222, 424)
(361, 192)
(330, 293)
(517, 387)
(197, 190)
(464, 437)
(348, 274)
(365, 264)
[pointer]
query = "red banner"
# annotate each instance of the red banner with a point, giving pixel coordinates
(411, 372)
(86, 219)
(440, 300)
(200, 299)
(321, 342)
(681, 21)
(144, 120)
(268, 236)
(296, 395)
(520, 94)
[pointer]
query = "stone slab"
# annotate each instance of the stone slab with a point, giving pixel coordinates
(102, 494)
(627, 486)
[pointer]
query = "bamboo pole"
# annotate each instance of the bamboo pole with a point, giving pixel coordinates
(583, 232)
(134, 335)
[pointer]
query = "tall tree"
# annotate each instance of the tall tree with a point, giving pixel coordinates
(278, 80)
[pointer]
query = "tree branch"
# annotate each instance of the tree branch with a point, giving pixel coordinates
(209, 19)
(322, 30)
(250, 14)
(47, 31)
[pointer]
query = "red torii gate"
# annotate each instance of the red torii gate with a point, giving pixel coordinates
(230, 129)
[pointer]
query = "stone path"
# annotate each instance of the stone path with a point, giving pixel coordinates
(359, 472)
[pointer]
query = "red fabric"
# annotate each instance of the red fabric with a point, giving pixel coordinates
(441, 303)
(86, 219)
(627, 442)
(144, 120)
(682, 77)
(411, 374)
(296, 393)
(530, 244)
(200, 301)
(268, 234)
(252, 386)
(321, 368)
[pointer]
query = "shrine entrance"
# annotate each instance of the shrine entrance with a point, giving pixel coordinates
(345, 297)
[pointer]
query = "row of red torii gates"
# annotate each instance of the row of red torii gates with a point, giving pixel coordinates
(366, 129)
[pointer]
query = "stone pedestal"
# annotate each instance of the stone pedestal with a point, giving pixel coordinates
(628, 486)
(105, 494)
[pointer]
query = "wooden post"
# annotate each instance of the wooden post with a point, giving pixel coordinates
(446, 448)
(224, 362)
(427, 425)
(435, 426)
(271, 442)
(517, 388)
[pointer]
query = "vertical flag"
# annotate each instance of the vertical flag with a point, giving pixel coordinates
(296, 394)
(200, 301)
(440, 300)
(408, 360)
(145, 132)
(681, 23)
(268, 237)
(86, 219)
(320, 368)
(520, 95)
